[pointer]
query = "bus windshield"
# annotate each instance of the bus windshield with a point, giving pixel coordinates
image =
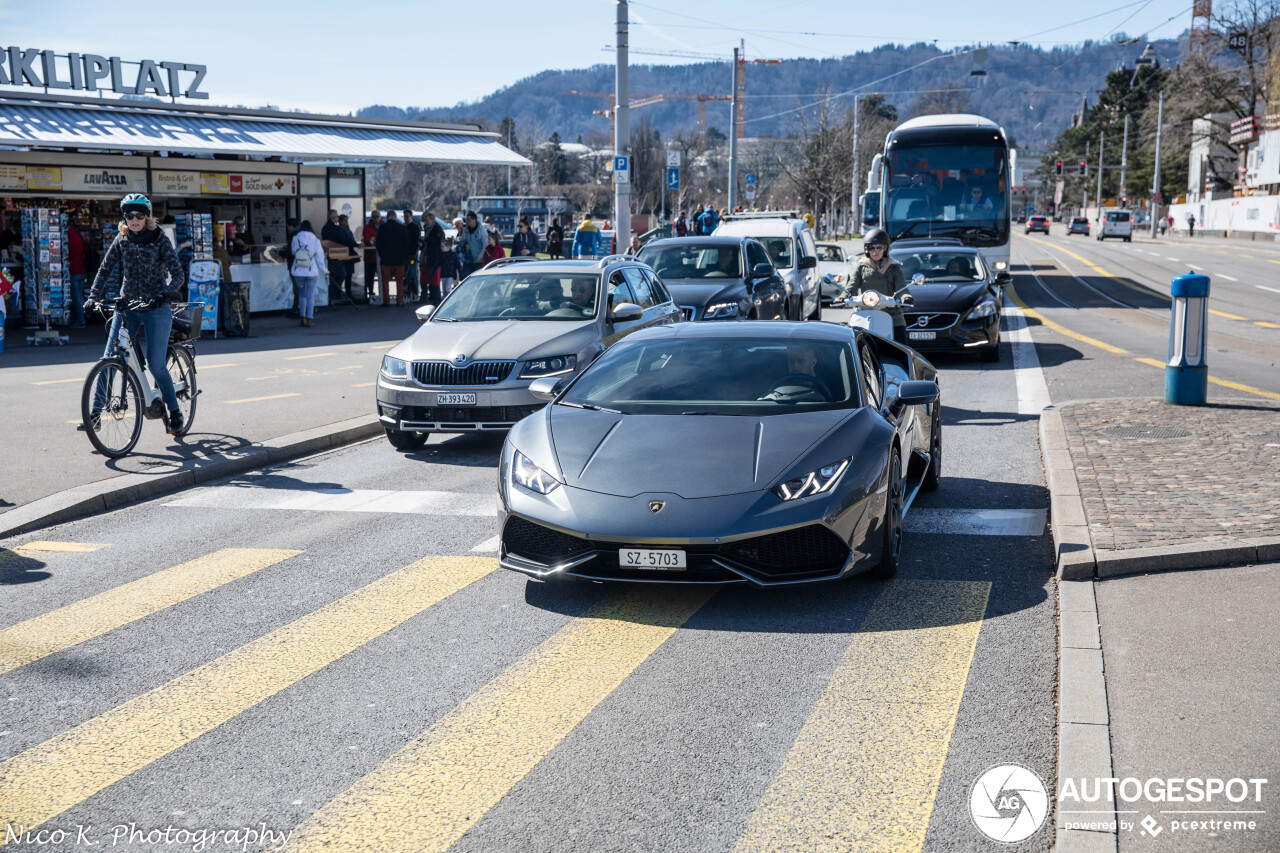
(947, 184)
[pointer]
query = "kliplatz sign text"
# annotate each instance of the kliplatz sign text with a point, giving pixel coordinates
(89, 72)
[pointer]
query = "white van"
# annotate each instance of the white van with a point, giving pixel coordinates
(792, 250)
(1116, 223)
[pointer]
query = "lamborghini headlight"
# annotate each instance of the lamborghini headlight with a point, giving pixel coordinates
(533, 478)
(814, 483)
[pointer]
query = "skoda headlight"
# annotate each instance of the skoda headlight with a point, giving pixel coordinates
(870, 298)
(395, 368)
(813, 483)
(557, 365)
(985, 308)
(533, 478)
(720, 311)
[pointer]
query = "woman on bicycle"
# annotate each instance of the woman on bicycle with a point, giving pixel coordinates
(145, 255)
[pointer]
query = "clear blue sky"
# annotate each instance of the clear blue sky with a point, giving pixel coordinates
(338, 56)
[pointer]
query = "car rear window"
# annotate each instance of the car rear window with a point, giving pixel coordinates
(1117, 216)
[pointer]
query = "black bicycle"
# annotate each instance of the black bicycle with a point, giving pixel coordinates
(117, 395)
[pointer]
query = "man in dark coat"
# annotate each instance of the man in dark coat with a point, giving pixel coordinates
(555, 239)
(393, 250)
(432, 252)
(413, 241)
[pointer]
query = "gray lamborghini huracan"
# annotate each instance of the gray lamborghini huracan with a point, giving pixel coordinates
(768, 453)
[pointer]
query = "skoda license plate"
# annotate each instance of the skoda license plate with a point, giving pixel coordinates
(643, 558)
(922, 336)
(455, 399)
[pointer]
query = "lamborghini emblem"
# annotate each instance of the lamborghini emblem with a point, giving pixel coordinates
(656, 506)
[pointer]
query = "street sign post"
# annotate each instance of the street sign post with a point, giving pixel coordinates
(751, 179)
(673, 159)
(673, 178)
(621, 170)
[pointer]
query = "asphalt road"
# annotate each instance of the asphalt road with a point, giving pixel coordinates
(350, 668)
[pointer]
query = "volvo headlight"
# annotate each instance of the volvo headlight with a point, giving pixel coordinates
(813, 483)
(870, 298)
(985, 308)
(557, 365)
(720, 310)
(533, 478)
(395, 368)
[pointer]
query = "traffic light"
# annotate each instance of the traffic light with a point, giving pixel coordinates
(1057, 168)
(1084, 168)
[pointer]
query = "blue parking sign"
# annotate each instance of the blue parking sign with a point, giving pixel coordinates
(751, 178)
(620, 164)
(673, 179)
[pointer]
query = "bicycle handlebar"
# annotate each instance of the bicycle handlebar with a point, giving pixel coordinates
(169, 297)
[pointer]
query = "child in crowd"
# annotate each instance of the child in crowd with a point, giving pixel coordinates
(450, 267)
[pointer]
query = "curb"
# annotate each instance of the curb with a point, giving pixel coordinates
(81, 501)
(1075, 554)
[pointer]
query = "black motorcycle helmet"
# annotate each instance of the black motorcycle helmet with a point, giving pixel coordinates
(875, 237)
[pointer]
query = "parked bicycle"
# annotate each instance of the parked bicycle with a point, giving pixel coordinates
(117, 395)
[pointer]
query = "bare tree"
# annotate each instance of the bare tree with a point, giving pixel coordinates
(951, 98)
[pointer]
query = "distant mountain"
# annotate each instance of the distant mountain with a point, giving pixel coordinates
(1031, 92)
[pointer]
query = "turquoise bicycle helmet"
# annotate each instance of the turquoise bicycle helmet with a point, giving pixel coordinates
(135, 201)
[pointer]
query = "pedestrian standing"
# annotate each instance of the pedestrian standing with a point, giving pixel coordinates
(555, 238)
(493, 251)
(291, 228)
(413, 242)
(1191, 225)
(450, 267)
(429, 260)
(472, 239)
(369, 237)
(393, 250)
(708, 220)
(309, 264)
(143, 252)
(525, 243)
(75, 263)
(347, 267)
(681, 225)
(586, 240)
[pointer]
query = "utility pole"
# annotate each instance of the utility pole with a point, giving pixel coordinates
(1155, 181)
(855, 214)
(622, 135)
(1124, 157)
(509, 125)
(734, 106)
(1102, 137)
(1084, 188)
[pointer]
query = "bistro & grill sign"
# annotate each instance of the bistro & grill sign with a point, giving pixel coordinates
(92, 73)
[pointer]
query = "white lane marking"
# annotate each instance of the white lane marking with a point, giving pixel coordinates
(1264, 287)
(976, 522)
(1033, 391)
(1198, 267)
(488, 546)
(1175, 260)
(1227, 277)
(343, 500)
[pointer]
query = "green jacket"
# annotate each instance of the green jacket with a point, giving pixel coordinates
(867, 277)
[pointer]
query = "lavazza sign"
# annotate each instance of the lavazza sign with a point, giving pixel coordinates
(92, 73)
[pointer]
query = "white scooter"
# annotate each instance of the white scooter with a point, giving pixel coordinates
(872, 311)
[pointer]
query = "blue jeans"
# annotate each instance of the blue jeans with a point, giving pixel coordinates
(305, 285)
(156, 322)
(77, 301)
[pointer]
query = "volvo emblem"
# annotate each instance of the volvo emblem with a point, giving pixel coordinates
(460, 358)
(923, 320)
(656, 506)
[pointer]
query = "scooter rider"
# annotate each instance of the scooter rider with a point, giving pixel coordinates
(875, 270)
(145, 254)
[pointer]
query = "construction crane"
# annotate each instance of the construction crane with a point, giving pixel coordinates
(646, 100)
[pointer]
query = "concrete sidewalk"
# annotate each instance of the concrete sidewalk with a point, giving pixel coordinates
(1166, 674)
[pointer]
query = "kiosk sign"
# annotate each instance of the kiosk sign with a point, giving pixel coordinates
(89, 72)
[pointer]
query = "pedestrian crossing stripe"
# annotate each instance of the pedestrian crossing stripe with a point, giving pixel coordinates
(427, 795)
(864, 771)
(45, 545)
(62, 772)
(91, 617)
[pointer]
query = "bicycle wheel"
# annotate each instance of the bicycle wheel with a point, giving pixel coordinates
(182, 370)
(114, 420)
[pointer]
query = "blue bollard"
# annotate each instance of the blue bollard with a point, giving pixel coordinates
(1186, 375)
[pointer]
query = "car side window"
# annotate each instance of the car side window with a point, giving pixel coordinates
(872, 377)
(619, 290)
(756, 255)
(639, 286)
(810, 247)
(656, 288)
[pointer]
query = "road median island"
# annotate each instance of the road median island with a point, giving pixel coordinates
(113, 492)
(1137, 485)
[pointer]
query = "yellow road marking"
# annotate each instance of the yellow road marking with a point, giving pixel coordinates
(1228, 316)
(94, 616)
(46, 545)
(49, 778)
(864, 771)
(200, 367)
(365, 385)
(389, 346)
(1266, 325)
(427, 795)
(59, 381)
(313, 355)
(260, 399)
(1063, 330)
(259, 378)
(1272, 261)
(1243, 255)
(1145, 291)
(1248, 389)
(1153, 362)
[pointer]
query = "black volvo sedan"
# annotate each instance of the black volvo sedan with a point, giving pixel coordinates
(958, 299)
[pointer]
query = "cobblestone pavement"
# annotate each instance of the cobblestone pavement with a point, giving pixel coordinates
(1153, 474)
